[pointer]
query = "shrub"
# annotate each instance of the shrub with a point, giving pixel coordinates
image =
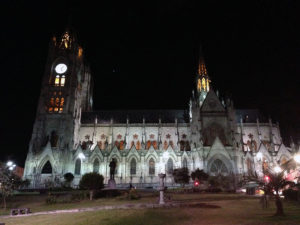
(69, 177)
(51, 199)
(181, 176)
(199, 175)
(291, 194)
(78, 196)
(91, 182)
(222, 182)
(214, 190)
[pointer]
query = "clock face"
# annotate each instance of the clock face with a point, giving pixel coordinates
(61, 68)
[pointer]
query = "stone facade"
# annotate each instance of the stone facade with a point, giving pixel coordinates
(211, 135)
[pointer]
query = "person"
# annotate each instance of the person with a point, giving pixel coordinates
(112, 166)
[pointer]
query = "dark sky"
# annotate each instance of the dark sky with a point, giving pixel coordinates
(144, 56)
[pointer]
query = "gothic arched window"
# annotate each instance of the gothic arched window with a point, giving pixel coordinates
(47, 168)
(249, 165)
(170, 166)
(77, 167)
(151, 167)
(133, 167)
(184, 163)
(96, 166)
(218, 167)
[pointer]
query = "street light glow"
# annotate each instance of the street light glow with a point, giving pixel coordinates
(81, 156)
(9, 163)
(277, 169)
(259, 156)
(297, 158)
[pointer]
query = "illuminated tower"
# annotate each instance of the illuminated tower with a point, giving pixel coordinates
(202, 79)
(66, 91)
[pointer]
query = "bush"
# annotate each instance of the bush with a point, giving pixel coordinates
(213, 190)
(199, 175)
(51, 199)
(221, 182)
(69, 177)
(91, 182)
(291, 194)
(78, 196)
(181, 176)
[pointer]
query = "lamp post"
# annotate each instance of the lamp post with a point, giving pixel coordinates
(10, 165)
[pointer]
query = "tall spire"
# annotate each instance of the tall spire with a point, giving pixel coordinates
(201, 65)
(203, 81)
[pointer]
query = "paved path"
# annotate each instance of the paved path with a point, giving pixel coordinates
(109, 207)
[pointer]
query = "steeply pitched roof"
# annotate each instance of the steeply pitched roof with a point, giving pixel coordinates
(136, 116)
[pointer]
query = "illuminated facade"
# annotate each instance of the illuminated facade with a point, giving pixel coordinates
(68, 136)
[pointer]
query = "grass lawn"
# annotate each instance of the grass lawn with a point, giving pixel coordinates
(235, 209)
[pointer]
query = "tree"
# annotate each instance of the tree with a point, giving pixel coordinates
(199, 175)
(181, 176)
(271, 183)
(91, 181)
(8, 182)
(69, 177)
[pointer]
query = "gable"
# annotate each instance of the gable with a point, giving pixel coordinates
(212, 103)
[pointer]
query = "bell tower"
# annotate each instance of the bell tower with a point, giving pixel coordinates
(203, 81)
(66, 91)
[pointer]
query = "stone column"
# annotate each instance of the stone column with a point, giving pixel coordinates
(161, 188)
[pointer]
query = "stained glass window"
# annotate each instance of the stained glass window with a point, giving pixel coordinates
(203, 84)
(184, 163)
(170, 166)
(151, 167)
(96, 166)
(78, 167)
(218, 167)
(133, 167)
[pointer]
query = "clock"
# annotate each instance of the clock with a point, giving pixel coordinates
(61, 68)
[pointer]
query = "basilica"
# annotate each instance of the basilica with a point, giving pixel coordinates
(70, 136)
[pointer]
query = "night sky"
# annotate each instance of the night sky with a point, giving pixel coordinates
(144, 56)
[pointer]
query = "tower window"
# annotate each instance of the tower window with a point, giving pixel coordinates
(60, 80)
(199, 85)
(56, 104)
(57, 79)
(203, 84)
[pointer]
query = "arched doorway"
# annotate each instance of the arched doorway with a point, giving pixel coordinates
(47, 168)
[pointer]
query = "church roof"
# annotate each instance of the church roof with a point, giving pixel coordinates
(249, 115)
(136, 116)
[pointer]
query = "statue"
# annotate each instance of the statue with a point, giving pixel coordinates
(112, 166)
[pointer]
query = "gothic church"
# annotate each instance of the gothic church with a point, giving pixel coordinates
(68, 136)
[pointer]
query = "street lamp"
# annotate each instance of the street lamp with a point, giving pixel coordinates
(297, 158)
(277, 169)
(259, 156)
(10, 165)
(81, 156)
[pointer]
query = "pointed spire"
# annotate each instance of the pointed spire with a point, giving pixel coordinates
(202, 71)
(203, 81)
